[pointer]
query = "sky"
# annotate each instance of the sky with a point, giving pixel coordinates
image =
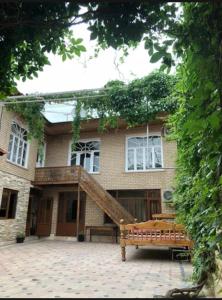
(85, 72)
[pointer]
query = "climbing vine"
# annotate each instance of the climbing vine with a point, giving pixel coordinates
(136, 103)
(197, 127)
(32, 114)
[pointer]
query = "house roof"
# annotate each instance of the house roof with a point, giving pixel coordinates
(92, 125)
(54, 128)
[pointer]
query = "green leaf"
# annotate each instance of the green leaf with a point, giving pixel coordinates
(215, 120)
(150, 51)
(163, 67)
(82, 48)
(93, 36)
(156, 56)
(158, 47)
(78, 41)
(168, 42)
(64, 57)
(77, 51)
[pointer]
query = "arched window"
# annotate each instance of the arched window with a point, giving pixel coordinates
(18, 145)
(87, 154)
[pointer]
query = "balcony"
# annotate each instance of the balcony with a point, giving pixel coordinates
(56, 175)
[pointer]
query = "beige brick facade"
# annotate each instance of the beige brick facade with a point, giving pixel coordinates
(94, 215)
(15, 177)
(112, 175)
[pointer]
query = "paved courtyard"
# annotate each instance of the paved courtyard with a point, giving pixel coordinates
(56, 269)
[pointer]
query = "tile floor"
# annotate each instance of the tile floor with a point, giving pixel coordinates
(55, 269)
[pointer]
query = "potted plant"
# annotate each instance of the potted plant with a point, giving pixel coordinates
(20, 237)
(81, 238)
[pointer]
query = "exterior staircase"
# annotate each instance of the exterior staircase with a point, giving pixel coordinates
(76, 174)
(103, 199)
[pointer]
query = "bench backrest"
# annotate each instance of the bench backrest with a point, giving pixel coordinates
(154, 231)
(153, 225)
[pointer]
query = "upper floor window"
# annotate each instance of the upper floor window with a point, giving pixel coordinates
(87, 154)
(8, 204)
(18, 145)
(142, 156)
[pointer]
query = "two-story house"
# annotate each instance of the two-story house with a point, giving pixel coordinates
(113, 175)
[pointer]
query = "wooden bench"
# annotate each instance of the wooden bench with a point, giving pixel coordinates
(155, 233)
(111, 228)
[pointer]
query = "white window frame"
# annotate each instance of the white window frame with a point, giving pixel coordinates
(91, 158)
(38, 163)
(24, 142)
(143, 170)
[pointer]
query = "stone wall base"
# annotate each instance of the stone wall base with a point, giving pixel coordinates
(10, 227)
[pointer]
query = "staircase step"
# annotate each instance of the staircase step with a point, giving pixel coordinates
(103, 199)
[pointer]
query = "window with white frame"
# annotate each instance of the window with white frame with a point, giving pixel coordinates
(143, 155)
(87, 155)
(18, 145)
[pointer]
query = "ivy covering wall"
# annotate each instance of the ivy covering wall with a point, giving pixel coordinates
(197, 127)
(136, 103)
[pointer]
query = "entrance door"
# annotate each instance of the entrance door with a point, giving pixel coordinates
(153, 203)
(44, 217)
(67, 213)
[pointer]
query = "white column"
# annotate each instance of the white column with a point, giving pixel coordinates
(55, 196)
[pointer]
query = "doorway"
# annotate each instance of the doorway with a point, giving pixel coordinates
(141, 204)
(67, 213)
(44, 216)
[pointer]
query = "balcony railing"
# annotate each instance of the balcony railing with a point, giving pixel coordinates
(56, 175)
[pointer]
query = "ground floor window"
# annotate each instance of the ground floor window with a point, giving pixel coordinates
(8, 204)
(141, 204)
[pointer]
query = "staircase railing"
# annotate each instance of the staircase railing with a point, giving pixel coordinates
(103, 199)
(76, 174)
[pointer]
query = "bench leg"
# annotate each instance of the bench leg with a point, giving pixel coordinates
(123, 252)
(137, 247)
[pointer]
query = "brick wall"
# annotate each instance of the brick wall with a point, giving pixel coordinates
(94, 215)
(15, 177)
(112, 160)
(112, 173)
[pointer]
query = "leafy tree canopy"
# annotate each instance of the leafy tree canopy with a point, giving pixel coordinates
(30, 30)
